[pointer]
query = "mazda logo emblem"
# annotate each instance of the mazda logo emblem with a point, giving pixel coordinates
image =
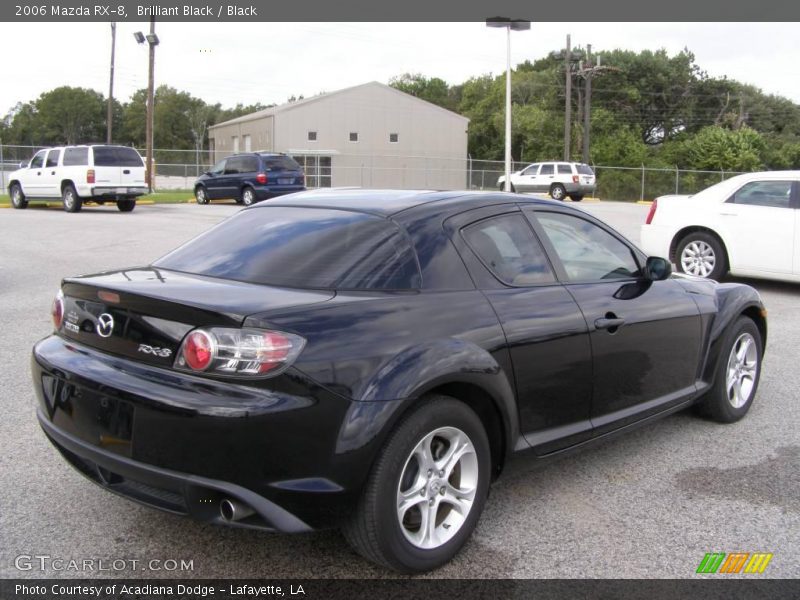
(105, 325)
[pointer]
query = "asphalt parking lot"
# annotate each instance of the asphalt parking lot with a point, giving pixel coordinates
(648, 504)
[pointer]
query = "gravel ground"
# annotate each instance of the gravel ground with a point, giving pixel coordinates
(648, 504)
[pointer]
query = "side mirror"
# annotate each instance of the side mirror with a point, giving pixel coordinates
(23, 165)
(657, 268)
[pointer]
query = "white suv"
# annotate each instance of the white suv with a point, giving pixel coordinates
(75, 174)
(559, 179)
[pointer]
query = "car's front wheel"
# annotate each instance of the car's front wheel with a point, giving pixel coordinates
(701, 254)
(18, 199)
(200, 195)
(738, 373)
(426, 491)
(557, 191)
(249, 196)
(70, 199)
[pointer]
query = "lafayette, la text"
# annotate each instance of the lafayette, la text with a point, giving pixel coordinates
(229, 10)
(180, 590)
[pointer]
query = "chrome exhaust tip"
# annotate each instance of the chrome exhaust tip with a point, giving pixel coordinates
(233, 510)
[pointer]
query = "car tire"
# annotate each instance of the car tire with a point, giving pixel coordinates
(737, 374)
(70, 199)
(558, 191)
(200, 195)
(576, 198)
(248, 196)
(126, 204)
(408, 473)
(18, 199)
(701, 254)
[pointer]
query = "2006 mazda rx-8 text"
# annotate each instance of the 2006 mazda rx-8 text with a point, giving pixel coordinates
(369, 360)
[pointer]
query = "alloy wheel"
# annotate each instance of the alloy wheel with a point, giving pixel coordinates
(698, 258)
(741, 372)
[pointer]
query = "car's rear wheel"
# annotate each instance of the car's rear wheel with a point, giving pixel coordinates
(701, 254)
(426, 491)
(200, 195)
(18, 199)
(126, 204)
(70, 199)
(557, 191)
(249, 196)
(576, 198)
(738, 374)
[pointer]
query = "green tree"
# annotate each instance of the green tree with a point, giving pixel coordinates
(68, 115)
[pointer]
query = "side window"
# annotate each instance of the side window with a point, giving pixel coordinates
(509, 249)
(564, 169)
(588, 252)
(547, 169)
(38, 160)
(76, 157)
(52, 158)
(249, 164)
(233, 166)
(219, 168)
(531, 170)
(776, 194)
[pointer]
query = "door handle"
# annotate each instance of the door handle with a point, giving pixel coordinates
(126, 172)
(728, 215)
(52, 172)
(609, 323)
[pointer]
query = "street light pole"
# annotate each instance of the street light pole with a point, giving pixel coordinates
(110, 112)
(516, 25)
(152, 42)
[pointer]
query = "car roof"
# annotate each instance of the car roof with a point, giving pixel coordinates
(387, 203)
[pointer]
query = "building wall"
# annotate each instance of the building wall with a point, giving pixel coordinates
(430, 151)
(259, 130)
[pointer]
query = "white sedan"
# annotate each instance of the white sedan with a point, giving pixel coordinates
(748, 225)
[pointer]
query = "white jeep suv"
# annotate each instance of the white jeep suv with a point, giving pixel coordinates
(75, 174)
(559, 179)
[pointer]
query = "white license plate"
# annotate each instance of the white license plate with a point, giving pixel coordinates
(285, 181)
(122, 190)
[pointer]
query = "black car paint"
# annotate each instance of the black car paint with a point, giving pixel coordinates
(304, 441)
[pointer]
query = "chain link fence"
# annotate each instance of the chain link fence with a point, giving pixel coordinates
(178, 170)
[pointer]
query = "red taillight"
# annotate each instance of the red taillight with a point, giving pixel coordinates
(652, 212)
(273, 351)
(575, 179)
(261, 178)
(198, 350)
(57, 310)
(90, 176)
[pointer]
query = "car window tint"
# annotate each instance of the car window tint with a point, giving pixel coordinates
(776, 194)
(116, 156)
(585, 170)
(564, 169)
(302, 248)
(234, 166)
(76, 157)
(52, 158)
(509, 249)
(587, 251)
(280, 163)
(249, 164)
(547, 170)
(38, 160)
(219, 167)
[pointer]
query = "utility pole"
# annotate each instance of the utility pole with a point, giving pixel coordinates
(587, 99)
(110, 113)
(152, 41)
(568, 105)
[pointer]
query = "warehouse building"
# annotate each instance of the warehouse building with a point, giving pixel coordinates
(370, 135)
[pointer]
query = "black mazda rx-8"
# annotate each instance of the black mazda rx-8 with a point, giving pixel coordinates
(369, 360)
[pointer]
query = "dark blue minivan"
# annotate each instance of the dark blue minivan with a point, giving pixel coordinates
(249, 178)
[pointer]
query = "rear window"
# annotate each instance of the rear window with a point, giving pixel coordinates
(302, 248)
(585, 170)
(116, 156)
(280, 163)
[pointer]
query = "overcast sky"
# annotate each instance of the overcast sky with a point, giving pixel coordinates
(268, 62)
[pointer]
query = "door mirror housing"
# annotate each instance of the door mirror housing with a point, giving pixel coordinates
(23, 165)
(657, 268)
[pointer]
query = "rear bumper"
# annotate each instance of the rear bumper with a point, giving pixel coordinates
(183, 444)
(579, 189)
(656, 241)
(121, 190)
(262, 193)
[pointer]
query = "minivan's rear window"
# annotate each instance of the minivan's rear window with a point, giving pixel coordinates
(116, 156)
(302, 248)
(585, 170)
(280, 163)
